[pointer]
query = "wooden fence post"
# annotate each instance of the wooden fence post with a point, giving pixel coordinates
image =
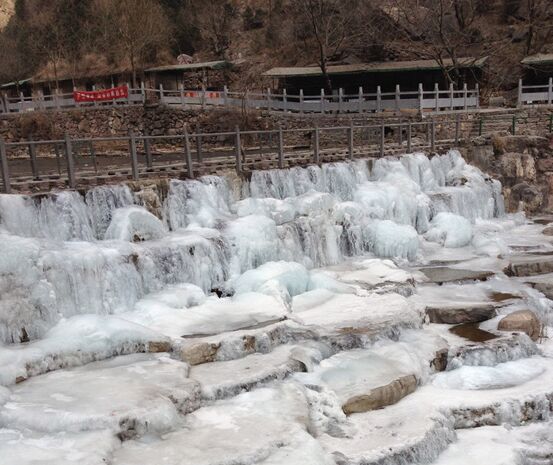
(134, 158)
(70, 161)
(301, 101)
(550, 91)
(350, 139)
(451, 96)
(284, 99)
(32, 156)
(361, 98)
(340, 98)
(400, 133)
(457, 129)
(143, 91)
(514, 125)
(322, 101)
(465, 97)
(477, 91)
(57, 98)
(409, 129)
(436, 97)
(382, 139)
(280, 147)
(4, 167)
(187, 154)
(199, 154)
(269, 106)
(397, 97)
(147, 149)
(238, 148)
(421, 98)
(378, 99)
(316, 146)
(160, 93)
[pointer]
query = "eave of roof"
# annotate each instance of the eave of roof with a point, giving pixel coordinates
(220, 64)
(538, 59)
(14, 83)
(378, 67)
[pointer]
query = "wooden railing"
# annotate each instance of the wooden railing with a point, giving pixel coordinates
(68, 162)
(361, 102)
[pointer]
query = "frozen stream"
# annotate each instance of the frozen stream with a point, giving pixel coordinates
(300, 317)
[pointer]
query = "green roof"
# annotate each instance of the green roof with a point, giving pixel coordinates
(376, 67)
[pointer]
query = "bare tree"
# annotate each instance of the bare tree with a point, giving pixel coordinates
(217, 20)
(139, 28)
(327, 26)
(48, 36)
(537, 17)
(444, 31)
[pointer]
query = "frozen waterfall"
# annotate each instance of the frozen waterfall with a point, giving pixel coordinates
(68, 254)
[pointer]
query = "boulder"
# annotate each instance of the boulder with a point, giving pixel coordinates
(444, 274)
(545, 288)
(456, 315)
(159, 346)
(525, 321)
(381, 396)
(548, 231)
(530, 266)
(199, 352)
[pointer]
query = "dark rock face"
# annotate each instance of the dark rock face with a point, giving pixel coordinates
(458, 315)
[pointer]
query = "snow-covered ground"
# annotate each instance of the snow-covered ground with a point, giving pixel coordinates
(281, 320)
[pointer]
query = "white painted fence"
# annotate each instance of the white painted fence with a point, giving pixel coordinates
(535, 95)
(420, 100)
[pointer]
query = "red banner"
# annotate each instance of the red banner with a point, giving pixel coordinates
(101, 95)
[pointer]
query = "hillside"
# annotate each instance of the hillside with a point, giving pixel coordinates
(71, 38)
(6, 11)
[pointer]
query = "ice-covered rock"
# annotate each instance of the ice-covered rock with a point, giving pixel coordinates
(214, 315)
(129, 395)
(278, 210)
(134, 224)
(76, 341)
(393, 240)
(485, 377)
(219, 380)
(449, 230)
(250, 428)
(29, 448)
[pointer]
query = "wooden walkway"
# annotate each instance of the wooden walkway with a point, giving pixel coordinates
(35, 167)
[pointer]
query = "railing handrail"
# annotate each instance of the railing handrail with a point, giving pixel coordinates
(360, 102)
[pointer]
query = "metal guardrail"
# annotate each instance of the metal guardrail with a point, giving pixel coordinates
(361, 102)
(196, 150)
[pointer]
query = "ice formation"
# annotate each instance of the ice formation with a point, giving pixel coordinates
(277, 299)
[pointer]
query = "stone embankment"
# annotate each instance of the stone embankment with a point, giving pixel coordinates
(523, 164)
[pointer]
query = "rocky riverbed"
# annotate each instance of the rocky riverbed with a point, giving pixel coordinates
(328, 315)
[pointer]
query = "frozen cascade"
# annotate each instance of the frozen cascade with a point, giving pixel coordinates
(63, 257)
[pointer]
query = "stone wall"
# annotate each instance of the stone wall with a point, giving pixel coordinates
(523, 164)
(161, 120)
